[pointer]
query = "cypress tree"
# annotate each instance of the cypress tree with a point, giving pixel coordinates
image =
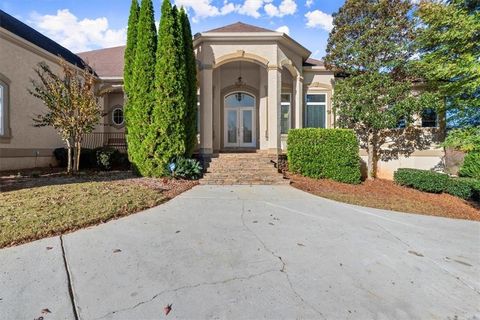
(129, 56)
(191, 85)
(142, 90)
(168, 140)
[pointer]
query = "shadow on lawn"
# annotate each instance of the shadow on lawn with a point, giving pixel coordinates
(34, 178)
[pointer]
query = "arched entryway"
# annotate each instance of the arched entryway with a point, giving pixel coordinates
(239, 120)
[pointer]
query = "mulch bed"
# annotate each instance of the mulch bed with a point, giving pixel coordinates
(385, 194)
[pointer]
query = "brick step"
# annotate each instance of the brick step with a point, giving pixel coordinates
(227, 175)
(244, 182)
(221, 166)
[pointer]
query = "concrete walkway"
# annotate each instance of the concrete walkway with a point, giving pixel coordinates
(242, 252)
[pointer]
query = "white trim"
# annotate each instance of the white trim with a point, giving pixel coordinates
(289, 104)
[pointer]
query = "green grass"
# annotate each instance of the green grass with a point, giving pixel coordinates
(38, 212)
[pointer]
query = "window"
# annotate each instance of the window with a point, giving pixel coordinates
(117, 116)
(4, 104)
(429, 118)
(285, 113)
(315, 110)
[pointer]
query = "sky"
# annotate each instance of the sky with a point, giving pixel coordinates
(93, 24)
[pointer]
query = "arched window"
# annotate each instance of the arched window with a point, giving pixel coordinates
(117, 116)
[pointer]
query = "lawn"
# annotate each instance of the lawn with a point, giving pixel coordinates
(34, 208)
(384, 194)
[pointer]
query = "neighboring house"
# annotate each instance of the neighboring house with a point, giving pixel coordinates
(254, 85)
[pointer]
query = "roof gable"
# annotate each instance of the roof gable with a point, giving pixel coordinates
(31, 35)
(239, 27)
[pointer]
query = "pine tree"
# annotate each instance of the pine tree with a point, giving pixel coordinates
(142, 95)
(129, 56)
(167, 140)
(191, 85)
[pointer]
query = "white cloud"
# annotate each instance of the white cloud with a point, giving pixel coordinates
(286, 7)
(204, 8)
(308, 3)
(251, 7)
(284, 29)
(319, 19)
(78, 35)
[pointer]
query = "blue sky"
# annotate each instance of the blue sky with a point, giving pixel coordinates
(87, 24)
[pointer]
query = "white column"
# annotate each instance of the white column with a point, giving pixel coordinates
(299, 102)
(206, 105)
(274, 91)
(262, 114)
(217, 120)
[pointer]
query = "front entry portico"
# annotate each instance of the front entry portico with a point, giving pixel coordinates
(239, 122)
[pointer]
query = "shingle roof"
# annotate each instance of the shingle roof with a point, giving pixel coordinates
(310, 62)
(106, 62)
(33, 36)
(239, 27)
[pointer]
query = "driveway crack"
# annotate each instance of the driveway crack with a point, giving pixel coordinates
(69, 280)
(283, 268)
(193, 286)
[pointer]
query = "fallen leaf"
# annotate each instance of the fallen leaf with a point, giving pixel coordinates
(167, 309)
(49, 248)
(178, 231)
(45, 311)
(300, 244)
(117, 250)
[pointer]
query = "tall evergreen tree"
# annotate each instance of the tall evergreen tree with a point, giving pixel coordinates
(371, 42)
(449, 43)
(191, 85)
(168, 117)
(142, 95)
(129, 56)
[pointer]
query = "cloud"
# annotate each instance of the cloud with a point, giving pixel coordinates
(204, 8)
(308, 3)
(319, 19)
(251, 7)
(78, 35)
(286, 7)
(284, 29)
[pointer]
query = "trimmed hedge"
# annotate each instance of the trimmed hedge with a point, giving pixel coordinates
(423, 180)
(471, 165)
(324, 153)
(102, 158)
(429, 181)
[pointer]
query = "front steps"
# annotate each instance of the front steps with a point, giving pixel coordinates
(242, 168)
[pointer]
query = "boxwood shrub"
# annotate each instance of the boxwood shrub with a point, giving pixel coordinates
(324, 153)
(423, 180)
(429, 181)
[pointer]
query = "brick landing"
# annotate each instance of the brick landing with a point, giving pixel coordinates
(242, 168)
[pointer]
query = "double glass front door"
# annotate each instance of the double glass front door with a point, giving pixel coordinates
(239, 120)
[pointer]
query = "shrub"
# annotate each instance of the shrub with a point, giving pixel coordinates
(185, 168)
(87, 157)
(465, 188)
(106, 158)
(423, 180)
(471, 165)
(324, 153)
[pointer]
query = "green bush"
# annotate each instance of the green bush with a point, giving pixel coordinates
(465, 188)
(87, 158)
(324, 153)
(185, 168)
(471, 165)
(423, 180)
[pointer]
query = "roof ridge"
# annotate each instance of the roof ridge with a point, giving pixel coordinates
(239, 26)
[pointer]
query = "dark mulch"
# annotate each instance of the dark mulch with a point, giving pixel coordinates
(385, 194)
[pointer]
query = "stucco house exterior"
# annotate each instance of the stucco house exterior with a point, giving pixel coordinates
(254, 85)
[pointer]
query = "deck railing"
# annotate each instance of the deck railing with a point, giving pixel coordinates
(115, 140)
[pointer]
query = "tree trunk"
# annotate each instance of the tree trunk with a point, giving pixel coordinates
(69, 156)
(372, 156)
(79, 150)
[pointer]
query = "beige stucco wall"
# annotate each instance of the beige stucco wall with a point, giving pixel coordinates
(16, 64)
(424, 159)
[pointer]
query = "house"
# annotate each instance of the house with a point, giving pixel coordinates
(254, 85)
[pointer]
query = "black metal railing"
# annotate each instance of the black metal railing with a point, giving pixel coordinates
(115, 140)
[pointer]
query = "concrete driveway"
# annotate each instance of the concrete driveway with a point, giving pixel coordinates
(249, 252)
